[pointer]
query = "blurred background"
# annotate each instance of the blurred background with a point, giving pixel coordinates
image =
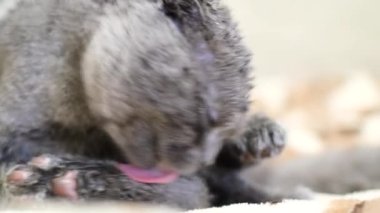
(317, 68)
(292, 36)
(317, 71)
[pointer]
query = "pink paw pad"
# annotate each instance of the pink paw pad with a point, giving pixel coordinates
(66, 185)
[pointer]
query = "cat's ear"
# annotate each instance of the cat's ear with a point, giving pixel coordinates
(184, 11)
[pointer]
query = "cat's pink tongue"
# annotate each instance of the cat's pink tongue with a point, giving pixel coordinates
(148, 175)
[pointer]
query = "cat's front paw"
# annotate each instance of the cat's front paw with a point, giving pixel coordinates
(48, 176)
(262, 138)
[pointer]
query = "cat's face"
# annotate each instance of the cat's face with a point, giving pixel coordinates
(170, 118)
(163, 94)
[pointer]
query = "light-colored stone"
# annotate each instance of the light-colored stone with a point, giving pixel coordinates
(304, 141)
(357, 95)
(343, 120)
(296, 117)
(370, 131)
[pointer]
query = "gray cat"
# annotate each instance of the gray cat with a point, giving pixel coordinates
(334, 172)
(158, 84)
